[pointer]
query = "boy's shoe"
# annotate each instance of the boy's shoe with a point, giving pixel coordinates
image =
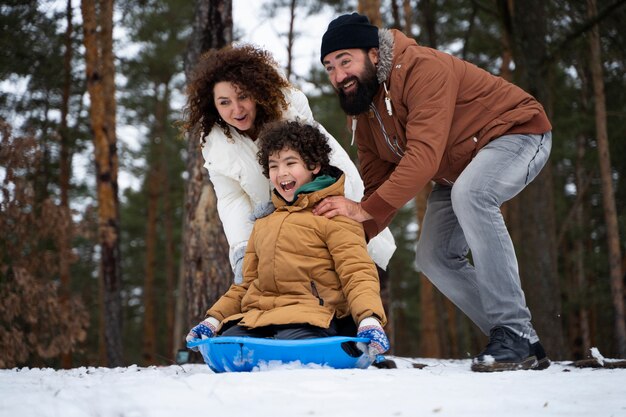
(507, 351)
(543, 361)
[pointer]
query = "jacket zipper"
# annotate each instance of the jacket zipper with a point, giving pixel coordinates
(317, 294)
(395, 148)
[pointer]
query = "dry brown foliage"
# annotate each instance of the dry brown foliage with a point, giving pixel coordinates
(37, 321)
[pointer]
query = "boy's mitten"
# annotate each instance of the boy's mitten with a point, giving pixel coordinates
(370, 328)
(205, 329)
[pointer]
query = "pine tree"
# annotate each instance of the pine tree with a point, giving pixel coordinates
(98, 38)
(206, 269)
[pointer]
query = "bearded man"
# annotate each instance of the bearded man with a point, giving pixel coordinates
(421, 115)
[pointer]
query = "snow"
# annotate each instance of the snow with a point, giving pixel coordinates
(442, 388)
(597, 355)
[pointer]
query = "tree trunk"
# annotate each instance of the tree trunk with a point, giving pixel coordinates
(170, 274)
(65, 160)
(579, 255)
(98, 57)
(65, 164)
(430, 345)
(429, 22)
(404, 25)
(371, 9)
(158, 192)
(154, 194)
(452, 340)
(536, 245)
(408, 17)
(206, 269)
(470, 30)
(608, 196)
(290, 38)
(170, 264)
(395, 15)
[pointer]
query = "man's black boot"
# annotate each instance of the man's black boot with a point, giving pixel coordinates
(506, 351)
(543, 361)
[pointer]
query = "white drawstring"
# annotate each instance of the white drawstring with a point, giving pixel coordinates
(353, 130)
(387, 100)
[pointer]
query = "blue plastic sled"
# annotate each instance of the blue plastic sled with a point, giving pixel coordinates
(242, 354)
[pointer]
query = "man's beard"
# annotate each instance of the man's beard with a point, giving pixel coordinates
(367, 85)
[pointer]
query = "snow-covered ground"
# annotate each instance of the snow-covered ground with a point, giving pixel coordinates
(443, 388)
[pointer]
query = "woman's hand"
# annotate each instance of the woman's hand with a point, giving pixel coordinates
(341, 206)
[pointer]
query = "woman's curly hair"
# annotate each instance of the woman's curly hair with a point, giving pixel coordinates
(251, 69)
(305, 139)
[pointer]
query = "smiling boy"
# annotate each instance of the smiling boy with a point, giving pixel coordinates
(305, 276)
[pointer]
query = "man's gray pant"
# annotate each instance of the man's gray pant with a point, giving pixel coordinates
(466, 216)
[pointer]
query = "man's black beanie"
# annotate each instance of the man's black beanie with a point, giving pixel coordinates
(349, 31)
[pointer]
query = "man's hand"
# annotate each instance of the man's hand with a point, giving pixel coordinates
(341, 206)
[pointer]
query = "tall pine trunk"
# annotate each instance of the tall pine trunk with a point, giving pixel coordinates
(99, 65)
(608, 196)
(427, 16)
(291, 35)
(579, 254)
(206, 269)
(65, 168)
(154, 195)
(157, 195)
(371, 9)
(170, 268)
(536, 233)
(408, 16)
(430, 343)
(168, 226)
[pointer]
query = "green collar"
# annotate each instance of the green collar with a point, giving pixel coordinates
(319, 183)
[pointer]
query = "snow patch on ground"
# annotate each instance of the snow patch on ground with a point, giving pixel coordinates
(443, 387)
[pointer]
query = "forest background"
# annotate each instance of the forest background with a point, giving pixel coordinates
(91, 274)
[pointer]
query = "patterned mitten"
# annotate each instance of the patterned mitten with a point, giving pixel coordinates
(205, 329)
(370, 328)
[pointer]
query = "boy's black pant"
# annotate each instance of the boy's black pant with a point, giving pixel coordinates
(343, 327)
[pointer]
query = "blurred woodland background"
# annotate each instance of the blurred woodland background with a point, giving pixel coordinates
(91, 274)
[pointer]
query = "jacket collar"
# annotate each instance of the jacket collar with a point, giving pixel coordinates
(310, 199)
(385, 54)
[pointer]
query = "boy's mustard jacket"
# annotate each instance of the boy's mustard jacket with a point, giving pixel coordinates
(302, 268)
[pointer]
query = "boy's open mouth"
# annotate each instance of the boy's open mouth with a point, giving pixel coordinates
(288, 185)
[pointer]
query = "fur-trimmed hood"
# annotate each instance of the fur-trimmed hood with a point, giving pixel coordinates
(385, 54)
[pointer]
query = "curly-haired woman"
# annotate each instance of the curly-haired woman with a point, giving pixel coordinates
(233, 93)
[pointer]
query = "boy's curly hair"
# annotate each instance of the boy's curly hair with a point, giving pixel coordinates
(305, 139)
(251, 69)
